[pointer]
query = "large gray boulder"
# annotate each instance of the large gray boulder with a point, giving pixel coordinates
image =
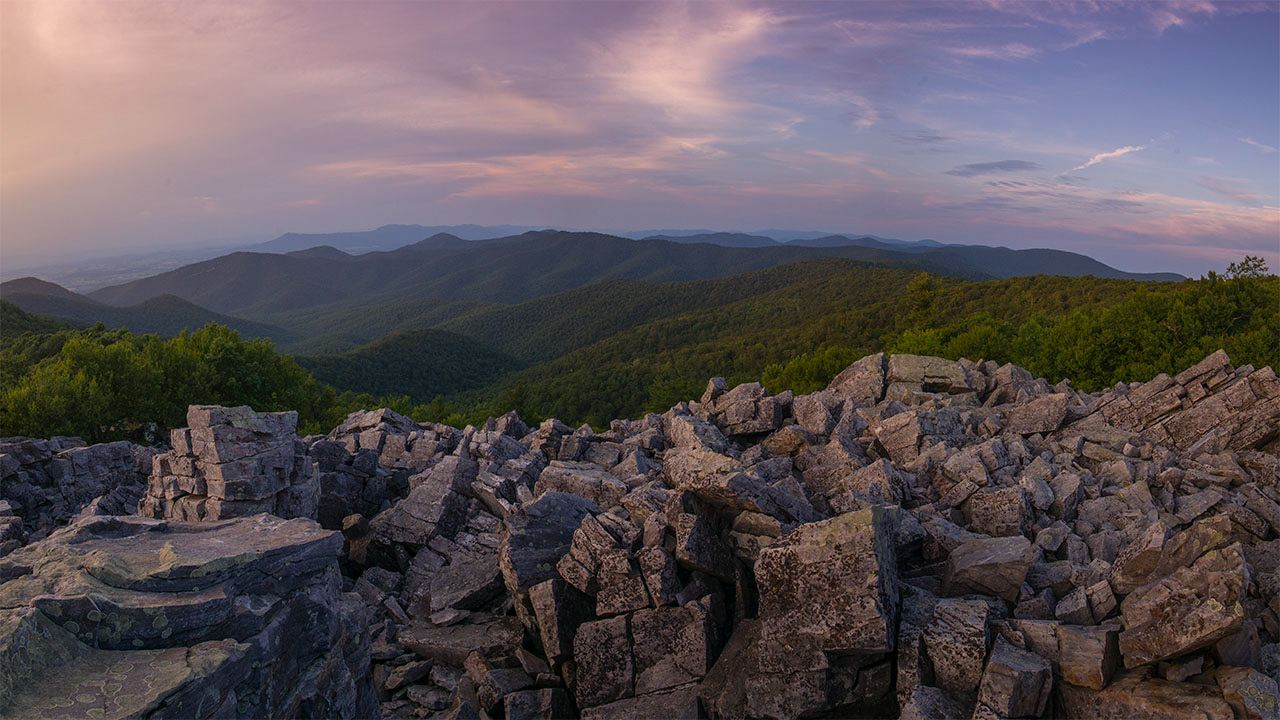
(994, 566)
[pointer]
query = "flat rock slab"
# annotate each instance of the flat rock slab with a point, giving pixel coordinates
(92, 683)
(128, 617)
(127, 583)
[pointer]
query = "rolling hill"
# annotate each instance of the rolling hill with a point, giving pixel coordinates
(15, 321)
(162, 315)
(723, 239)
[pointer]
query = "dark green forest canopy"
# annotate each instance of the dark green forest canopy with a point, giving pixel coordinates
(792, 333)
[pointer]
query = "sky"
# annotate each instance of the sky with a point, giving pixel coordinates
(1142, 134)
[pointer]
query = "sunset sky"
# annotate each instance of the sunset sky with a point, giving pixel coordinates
(1142, 134)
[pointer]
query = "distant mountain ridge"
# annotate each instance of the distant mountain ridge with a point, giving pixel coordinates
(517, 268)
(505, 270)
(163, 314)
(387, 237)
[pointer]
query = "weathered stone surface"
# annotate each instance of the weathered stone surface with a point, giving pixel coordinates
(721, 481)
(1132, 695)
(834, 580)
(1191, 609)
(672, 647)
(1016, 683)
(181, 612)
(605, 668)
(999, 513)
(746, 409)
(862, 382)
(1139, 560)
(1042, 415)
(920, 373)
(931, 703)
(452, 644)
(559, 609)
(1251, 694)
(1088, 656)
(435, 507)
(46, 482)
(535, 539)
(582, 479)
(995, 566)
(677, 704)
(956, 642)
(470, 581)
(544, 704)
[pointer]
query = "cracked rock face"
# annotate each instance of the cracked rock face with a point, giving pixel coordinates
(924, 538)
(232, 462)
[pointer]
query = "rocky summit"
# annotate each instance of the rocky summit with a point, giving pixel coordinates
(924, 538)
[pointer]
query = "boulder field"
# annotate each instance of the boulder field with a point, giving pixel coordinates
(924, 539)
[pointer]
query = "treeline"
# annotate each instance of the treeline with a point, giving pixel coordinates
(105, 384)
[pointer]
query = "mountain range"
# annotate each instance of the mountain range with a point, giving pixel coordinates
(590, 325)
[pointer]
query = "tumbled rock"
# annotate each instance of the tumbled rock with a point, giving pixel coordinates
(834, 580)
(1251, 694)
(1190, 609)
(999, 513)
(1042, 415)
(232, 462)
(1132, 695)
(672, 647)
(956, 641)
(605, 668)
(452, 644)
(996, 566)
(677, 704)
(931, 703)
(1016, 683)
(863, 382)
(534, 540)
(1088, 656)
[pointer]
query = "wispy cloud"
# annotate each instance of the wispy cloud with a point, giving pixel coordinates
(679, 62)
(988, 168)
(1230, 189)
(923, 138)
(1261, 146)
(1118, 152)
(1007, 52)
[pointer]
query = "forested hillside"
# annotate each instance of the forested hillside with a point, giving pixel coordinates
(621, 348)
(16, 321)
(417, 363)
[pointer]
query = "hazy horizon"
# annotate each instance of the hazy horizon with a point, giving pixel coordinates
(1141, 134)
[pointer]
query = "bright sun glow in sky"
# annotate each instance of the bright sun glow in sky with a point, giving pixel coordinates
(1142, 134)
